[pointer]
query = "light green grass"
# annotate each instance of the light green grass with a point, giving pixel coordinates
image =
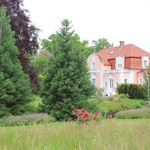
(108, 135)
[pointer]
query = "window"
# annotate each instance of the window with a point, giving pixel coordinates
(140, 81)
(93, 65)
(111, 83)
(119, 66)
(112, 52)
(117, 83)
(105, 84)
(125, 80)
(93, 81)
(145, 63)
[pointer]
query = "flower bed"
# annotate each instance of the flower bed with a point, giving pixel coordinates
(84, 116)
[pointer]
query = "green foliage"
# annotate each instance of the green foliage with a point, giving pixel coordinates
(40, 61)
(100, 44)
(111, 104)
(66, 84)
(135, 91)
(133, 114)
(28, 119)
(15, 88)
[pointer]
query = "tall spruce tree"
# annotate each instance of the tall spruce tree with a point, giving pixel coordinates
(66, 85)
(15, 88)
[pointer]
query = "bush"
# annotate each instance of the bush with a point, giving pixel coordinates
(84, 116)
(27, 119)
(133, 114)
(133, 90)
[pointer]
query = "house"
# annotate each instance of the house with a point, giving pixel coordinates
(115, 65)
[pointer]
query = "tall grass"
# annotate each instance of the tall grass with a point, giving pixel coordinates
(110, 134)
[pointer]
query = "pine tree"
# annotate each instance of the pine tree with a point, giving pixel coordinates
(15, 88)
(66, 85)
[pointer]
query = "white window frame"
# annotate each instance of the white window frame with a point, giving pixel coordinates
(145, 61)
(119, 62)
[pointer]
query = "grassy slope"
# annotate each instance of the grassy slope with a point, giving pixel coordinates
(108, 135)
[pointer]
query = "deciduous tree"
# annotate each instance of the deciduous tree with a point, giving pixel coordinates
(25, 35)
(100, 44)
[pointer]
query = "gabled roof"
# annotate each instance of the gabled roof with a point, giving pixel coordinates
(128, 50)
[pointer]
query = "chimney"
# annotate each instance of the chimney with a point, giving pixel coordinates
(107, 46)
(121, 43)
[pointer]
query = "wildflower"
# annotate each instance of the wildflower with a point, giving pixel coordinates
(94, 118)
(86, 115)
(75, 110)
(79, 114)
(83, 110)
(96, 113)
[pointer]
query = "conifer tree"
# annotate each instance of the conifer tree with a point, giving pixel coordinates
(15, 88)
(66, 85)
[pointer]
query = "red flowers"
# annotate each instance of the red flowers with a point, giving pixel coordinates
(96, 113)
(83, 115)
(75, 110)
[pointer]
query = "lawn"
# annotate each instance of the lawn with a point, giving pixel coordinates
(111, 134)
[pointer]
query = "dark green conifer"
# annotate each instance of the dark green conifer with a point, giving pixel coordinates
(66, 85)
(15, 88)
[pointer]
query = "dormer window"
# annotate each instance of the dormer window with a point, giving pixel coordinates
(145, 61)
(119, 62)
(120, 66)
(93, 65)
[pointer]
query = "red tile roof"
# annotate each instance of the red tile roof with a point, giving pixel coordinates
(128, 50)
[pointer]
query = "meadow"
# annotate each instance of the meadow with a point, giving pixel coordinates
(108, 134)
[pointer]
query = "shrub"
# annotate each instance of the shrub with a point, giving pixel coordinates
(133, 90)
(27, 119)
(133, 114)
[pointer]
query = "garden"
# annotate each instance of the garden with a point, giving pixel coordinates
(52, 104)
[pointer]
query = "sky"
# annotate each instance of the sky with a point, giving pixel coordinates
(115, 20)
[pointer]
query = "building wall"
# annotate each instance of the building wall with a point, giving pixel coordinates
(104, 74)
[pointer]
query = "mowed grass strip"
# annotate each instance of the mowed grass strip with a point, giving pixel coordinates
(110, 134)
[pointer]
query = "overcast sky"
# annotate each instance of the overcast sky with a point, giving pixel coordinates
(116, 20)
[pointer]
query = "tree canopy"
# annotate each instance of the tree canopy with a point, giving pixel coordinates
(100, 44)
